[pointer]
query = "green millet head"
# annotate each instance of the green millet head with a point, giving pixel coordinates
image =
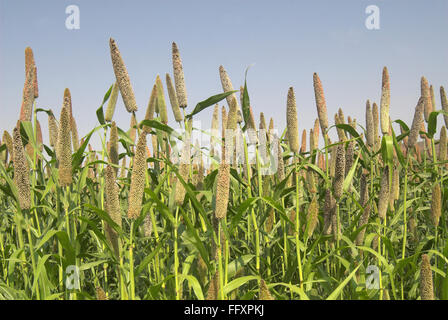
(111, 103)
(122, 76)
(179, 79)
(53, 129)
(292, 121)
(161, 101)
(113, 149)
(9, 145)
(436, 205)
(444, 102)
(173, 99)
(442, 144)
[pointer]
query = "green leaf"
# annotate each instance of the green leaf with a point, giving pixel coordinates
(99, 111)
(238, 282)
(141, 267)
(210, 101)
(387, 150)
(194, 283)
(348, 179)
(234, 266)
(337, 291)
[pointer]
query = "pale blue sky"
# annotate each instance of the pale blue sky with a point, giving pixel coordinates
(285, 40)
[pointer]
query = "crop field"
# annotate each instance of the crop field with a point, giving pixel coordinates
(345, 209)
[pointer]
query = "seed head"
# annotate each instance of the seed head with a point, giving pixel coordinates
(53, 129)
(151, 108)
(320, 103)
(303, 145)
(100, 294)
(137, 178)
(426, 95)
(385, 102)
(292, 122)
(222, 190)
(280, 163)
(383, 199)
(370, 135)
(213, 287)
(132, 128)
(227, 86)
(264, 291)
(179, 80)
(173, 99)
(329, 211)
(113, 148)
(111, 103)
(21, 172)
(442, 144)
(64, 146)
(444, 104)
(362, 222)
(28, 96)
(313, 216)
(339, 120)
(31, 65)
(9, 145)
(161, 104)
(184, 170)
(416, 124)
(112, 206)
(426, 286)
(122, 76)
(436, 205)
(339, 174)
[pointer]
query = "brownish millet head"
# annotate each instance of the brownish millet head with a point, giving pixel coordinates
(227, 86)
(74, 132)
(150, 110)
(426, 285)
(264, 291)
(28, 97)
(213, 287)
(179, 79)
(137, 178)
(370, 134)
(292, 121)
(64, 146)
(31, 64)
(320, 103)
(122, 76)
(222, 190)
(417, 122)
(339, 174)
(280, 163)
(173, 99)
(363, 221)
(100, 294)
(303, 145)
(112, 206)
(426, 95)
(329, 208)
(385, 102)
(383, 198)
(21, 172)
